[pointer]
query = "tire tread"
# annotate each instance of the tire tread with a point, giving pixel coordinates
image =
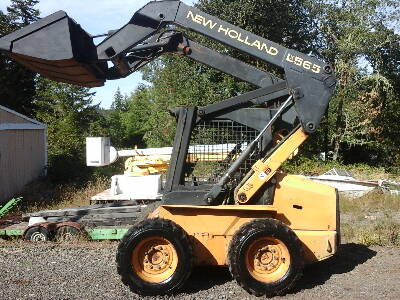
(124, 250)
(277, 228)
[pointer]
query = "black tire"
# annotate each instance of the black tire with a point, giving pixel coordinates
(148, 229)
(67, 234)
(37, 234)
(241, 247)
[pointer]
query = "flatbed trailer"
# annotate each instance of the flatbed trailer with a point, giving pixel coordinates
(109, 221)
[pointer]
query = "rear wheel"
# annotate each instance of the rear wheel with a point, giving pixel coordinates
(67, 233)
(265, 257)
(155, 257)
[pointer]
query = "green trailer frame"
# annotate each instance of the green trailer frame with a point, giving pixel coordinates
(95, 234)
(11, 232)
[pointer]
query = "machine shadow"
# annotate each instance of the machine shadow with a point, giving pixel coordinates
(347, 258)
(204, 278)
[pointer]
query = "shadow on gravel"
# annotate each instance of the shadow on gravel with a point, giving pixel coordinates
(203, 278)
(345, 260)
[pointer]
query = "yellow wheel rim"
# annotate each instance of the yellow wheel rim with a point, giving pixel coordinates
(154, 259)
(267, 259)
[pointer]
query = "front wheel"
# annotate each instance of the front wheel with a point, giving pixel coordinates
(155, 257)
(37, 234)
(265, 257)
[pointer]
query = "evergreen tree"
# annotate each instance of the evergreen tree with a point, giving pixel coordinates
(135, 119)
(17, 84)
(22, 12)
(114, 120)
(71, 117)
(119, 102)
(127, 117)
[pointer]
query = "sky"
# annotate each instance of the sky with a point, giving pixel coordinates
(98, 17)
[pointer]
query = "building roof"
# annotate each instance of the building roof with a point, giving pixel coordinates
(33, 124)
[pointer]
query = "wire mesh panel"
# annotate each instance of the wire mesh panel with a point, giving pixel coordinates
(214, 146)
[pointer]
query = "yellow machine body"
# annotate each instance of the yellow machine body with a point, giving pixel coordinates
(309, 208)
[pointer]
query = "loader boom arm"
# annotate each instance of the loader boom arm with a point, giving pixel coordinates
(310, 80)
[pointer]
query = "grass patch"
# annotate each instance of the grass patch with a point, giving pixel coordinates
(382, 233)
(370, 202)
(313, 167)
(43, 195)
(373, 219)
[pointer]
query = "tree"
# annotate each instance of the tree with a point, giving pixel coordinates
(119, 102)
(113, 116)
(22, 12)
(71, 117)
(353, 37)
(17, 84)
(138, 116)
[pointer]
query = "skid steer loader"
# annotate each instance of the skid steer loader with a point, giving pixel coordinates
(236, 210)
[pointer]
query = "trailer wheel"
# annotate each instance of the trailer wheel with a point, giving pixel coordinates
(37, 234)
(265, 257)
(67, 233)
(155, 257)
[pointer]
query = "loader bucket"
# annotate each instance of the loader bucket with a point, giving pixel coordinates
(58, 48)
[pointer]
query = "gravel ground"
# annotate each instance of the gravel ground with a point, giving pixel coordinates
(87, 271)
